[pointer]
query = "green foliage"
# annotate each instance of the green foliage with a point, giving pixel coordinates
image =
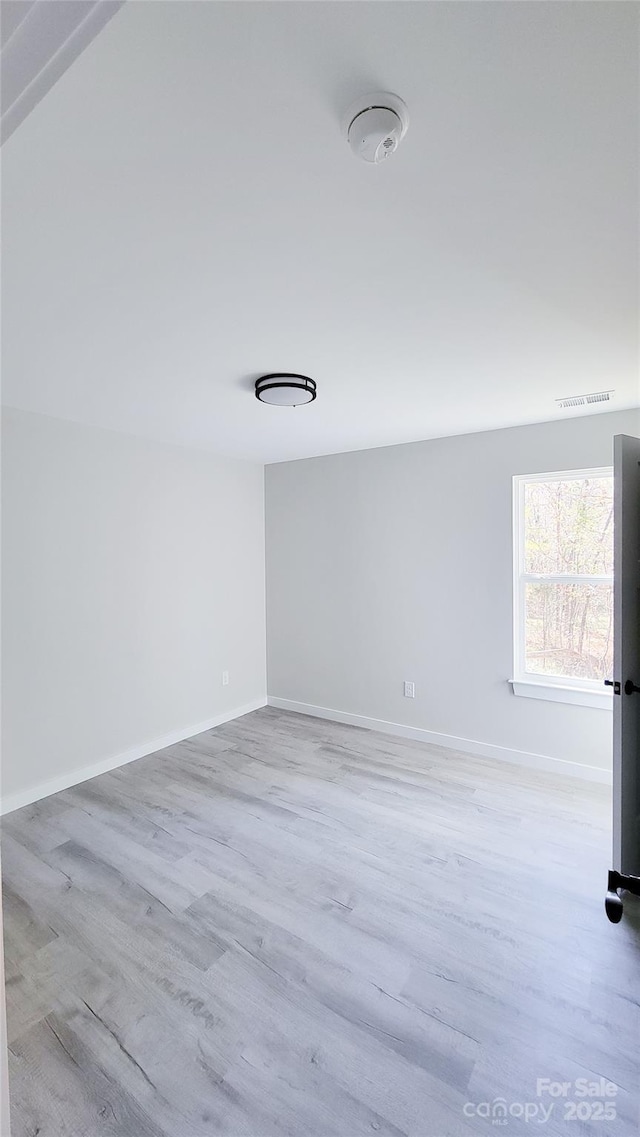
(569, 531)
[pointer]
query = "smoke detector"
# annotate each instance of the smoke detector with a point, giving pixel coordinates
(376, 126)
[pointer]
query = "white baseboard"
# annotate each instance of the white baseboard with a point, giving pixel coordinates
(468, 745)
(74, 777)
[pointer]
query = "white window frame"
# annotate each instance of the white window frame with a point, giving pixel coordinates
(561, 689)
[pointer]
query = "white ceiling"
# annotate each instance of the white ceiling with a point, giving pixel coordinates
(182, 213)
(40, 39)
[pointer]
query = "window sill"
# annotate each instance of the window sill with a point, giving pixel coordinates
(555, 693)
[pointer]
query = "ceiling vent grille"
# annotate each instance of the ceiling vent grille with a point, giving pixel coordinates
(599, 397)
(585, 400)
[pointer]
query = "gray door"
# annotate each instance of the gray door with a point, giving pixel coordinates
(626, 656)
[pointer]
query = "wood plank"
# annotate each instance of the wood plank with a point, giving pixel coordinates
(292, 926)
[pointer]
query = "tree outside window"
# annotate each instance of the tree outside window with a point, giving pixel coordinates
(564, 577)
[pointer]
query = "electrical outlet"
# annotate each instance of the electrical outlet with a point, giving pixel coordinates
(225, 678)
(409, 690)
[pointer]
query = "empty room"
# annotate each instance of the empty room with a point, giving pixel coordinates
(320, 780)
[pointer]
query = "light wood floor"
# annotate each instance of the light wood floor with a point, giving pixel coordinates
(292, 927)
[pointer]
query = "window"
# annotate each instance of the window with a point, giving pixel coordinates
(563, 586)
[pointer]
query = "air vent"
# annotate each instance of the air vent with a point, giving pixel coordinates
(599, 397)
(584, 400)
(574, 401)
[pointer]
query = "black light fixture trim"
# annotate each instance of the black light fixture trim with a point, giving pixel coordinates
(286, 379)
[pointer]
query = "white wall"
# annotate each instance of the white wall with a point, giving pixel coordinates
(133, 575)
(396, 563)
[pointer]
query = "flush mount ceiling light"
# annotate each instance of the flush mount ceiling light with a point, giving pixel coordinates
(285, 389)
